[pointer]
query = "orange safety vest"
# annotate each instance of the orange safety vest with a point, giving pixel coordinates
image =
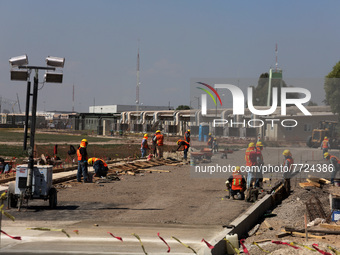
(82, 145)
(95, 159)
(184, 143)
(237, 182)
(325, 143)
(290, 162)
(144, 146)
(335, 158)
(247, 157)
(160, 138)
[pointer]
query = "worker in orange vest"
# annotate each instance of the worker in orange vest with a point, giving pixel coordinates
(144, 145)
(82, 161)
(325, 145)
(100, 167)
(185, 145)
(336, 165)
(236, 184)
(287, 166)
(159, 139)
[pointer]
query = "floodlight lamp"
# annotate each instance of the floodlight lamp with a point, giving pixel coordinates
(19, 61)
(55, 61)
(19, 75)
(53, 77)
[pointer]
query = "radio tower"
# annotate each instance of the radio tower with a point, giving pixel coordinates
(137, 87)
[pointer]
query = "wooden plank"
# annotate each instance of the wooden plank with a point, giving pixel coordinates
(316, 184)
(320, 180)
(263, 240)
(328, 226)
(155, 170)
(304, 235)
(268, 225)
(306, 185)
(280, 235)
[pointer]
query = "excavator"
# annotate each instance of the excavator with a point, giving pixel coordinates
(328, 129)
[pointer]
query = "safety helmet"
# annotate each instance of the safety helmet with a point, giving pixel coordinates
(84, 140)
(209, 133)
(158, 131)
(250, 145)
(325, 137)
(237, 169)
(90, 161)
(145, 135)
(259, 144)
(286, 153)
(215, 138)
(188, 130)
(326, 155)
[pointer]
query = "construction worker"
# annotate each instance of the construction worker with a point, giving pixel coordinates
(215, 145)
(325, 145)
(250, 158)
(187, 136)
(144, 145)
(236, 184)
(210, 140)
(154, 145)
(185, 145)
(99, 166)
(335, 162)
(82, 161)
(259, 163)
(287, 165)
(160, 139)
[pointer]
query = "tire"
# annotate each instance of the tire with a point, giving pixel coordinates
(309, 142)
(53, 201)
(12, 198)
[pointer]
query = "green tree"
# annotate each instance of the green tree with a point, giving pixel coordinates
(260, 93)
(332, 89)
(183, 107)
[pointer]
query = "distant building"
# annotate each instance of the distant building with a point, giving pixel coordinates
(117, 108)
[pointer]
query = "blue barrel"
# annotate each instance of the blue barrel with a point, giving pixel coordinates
(203, 131)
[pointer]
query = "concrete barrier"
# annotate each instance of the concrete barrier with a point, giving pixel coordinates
(240, 225)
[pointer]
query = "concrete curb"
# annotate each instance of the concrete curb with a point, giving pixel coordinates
(242, 225)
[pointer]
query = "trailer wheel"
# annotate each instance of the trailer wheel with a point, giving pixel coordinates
(12, 198)
(53, 198)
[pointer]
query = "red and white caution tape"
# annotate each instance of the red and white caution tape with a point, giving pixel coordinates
(245, 250)
(315, 246)
(284, 243)
(117, 237)
(208, 244)
(164, 241)
(13, 237)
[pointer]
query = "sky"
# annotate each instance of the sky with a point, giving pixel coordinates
(179, 41)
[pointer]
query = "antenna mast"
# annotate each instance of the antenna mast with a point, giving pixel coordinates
(137, 87)
(276, 64)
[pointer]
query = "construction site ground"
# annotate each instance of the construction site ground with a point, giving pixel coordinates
(179, 203)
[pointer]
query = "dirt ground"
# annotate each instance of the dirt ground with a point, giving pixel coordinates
(181, 196)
